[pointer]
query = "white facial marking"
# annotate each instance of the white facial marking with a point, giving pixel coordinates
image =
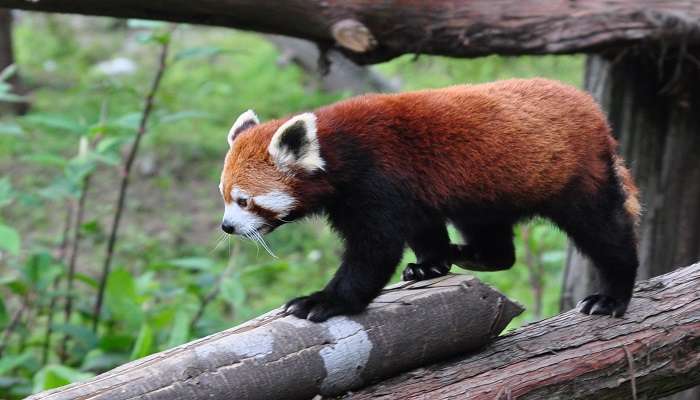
(276, 201)
(243, 220)
(246, 118)
(310, 159)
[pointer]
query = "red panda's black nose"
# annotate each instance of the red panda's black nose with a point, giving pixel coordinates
(230, 229)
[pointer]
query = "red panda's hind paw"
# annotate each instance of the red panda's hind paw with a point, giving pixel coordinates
(318, 307)
(602, 304)
(425, 270)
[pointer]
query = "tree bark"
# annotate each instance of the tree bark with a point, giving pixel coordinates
(7, 58)
(653, 103)
(373, 31)
(653, 351)
(282, 357)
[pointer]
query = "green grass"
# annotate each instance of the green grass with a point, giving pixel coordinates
(167, 257)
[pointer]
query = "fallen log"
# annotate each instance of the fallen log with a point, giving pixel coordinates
(373, 31)
(283, 357)
(650, 353)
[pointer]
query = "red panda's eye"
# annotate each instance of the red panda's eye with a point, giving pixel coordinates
(243, 203)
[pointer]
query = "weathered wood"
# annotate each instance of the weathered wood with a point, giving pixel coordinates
(282, 357)
(372, 31)
(656, 345)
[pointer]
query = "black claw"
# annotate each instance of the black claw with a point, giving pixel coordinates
(427, 270)
(601, 304)
(318, 307)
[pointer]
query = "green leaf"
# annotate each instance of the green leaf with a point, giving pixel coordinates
(232, 290)
(144, 342)
(111, 145)
(60, 188)
(191, 263)
(10, 240)
(46, 159)
(56, 122)
(117, 343)
(53, 376)
(184, 115)
(122, 299)
(98, 361)
(181, 328)
(40, 270)
(86, 279)
(82, 334)
(129, 121)
(10, 362)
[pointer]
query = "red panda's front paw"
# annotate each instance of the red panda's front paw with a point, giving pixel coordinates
(318, 307)
(602, 304)
(425, 270)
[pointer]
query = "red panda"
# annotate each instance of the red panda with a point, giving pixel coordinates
(391, 170)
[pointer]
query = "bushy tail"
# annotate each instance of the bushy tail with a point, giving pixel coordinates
(632, 205)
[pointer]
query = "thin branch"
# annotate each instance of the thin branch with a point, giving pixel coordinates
(75, 249)
(60, 255)
(121, 201)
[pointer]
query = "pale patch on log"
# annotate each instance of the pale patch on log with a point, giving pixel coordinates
(353, 35)
(345, 360)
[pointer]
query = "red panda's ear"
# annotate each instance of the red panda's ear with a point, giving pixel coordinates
(295, 144)
(246, 120)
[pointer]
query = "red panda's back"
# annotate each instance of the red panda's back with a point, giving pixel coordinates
(515, 140)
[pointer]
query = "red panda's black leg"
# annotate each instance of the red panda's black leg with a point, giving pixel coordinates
(371, 256)
(604, 231)
(431, 245)
(489, 247)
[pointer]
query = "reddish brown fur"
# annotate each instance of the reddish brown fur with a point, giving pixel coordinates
(520, 140)
(514, 140)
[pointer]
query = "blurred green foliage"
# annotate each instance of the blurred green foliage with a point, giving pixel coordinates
(175, 277)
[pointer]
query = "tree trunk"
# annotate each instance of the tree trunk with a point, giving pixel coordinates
(7, 58)
(286, 358)
(373, 31)
(653, 351)
(653, 102)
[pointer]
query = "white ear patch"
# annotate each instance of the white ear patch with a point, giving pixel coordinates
(243, 122)
(295, 143)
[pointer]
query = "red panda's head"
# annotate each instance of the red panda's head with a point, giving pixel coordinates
(265, 168)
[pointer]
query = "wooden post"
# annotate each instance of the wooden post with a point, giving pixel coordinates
(286, 358)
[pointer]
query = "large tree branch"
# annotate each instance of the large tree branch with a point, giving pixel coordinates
(282, 357)
(372, 31)
(653, 351)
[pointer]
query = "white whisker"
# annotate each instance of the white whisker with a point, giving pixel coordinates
(247, 235)
(264, 244)
(218, 242)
